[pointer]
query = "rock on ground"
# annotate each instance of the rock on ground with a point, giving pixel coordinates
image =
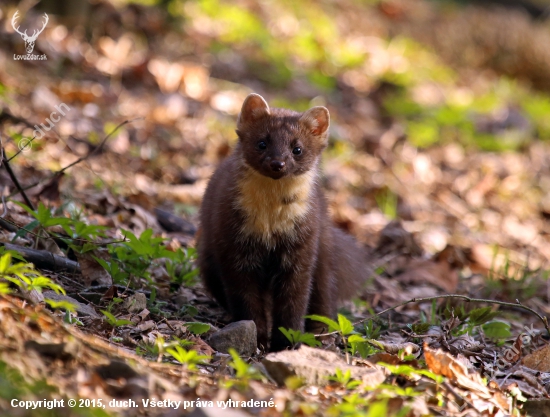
(82, 309)
(240, 335)
(316, 365)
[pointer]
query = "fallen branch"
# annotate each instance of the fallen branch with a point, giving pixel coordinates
(14, 179)
(45, 260)
(517, 304)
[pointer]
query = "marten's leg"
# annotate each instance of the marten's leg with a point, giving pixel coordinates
(246, 301)
(212, 278)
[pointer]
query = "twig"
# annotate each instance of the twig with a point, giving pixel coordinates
(90, 153)
(21, 149)
(457, 395)
(517, 304)
(77, 239)
(14, 178)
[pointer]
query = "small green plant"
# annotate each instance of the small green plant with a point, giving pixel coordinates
(197, 328)
(14, 254)
(43, 217)
(409, 371)
(188, 310)
(387, 203)
(64, 305)
(159, 346)
(113, 321)
(134, 258)
(371, 330)
(244, 372)
(69, 309)
(496, 330)
(25, 276)
(180, 269)
(111, 304)
(189, 358)
(344, 379)
(344, 327)
(420, 328)
(296, 336)
(4, 288)
(80, 234)
(483, 317)
(157, 307)
(120, 276)
(364, 347)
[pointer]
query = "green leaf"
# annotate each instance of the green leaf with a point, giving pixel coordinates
(26, 208)
(287, 334)
(110, 318)
(407, 370)
(44, 282)
(309, 339)
(346, 327)
(332, 325)
(497, 329)
(5, 262)
(296, 336)
(190, 275)
(4, 288)
(66, 305)
(197, 328)
(355, 338)
(481, 315)
(24, 230)
(42, 214)
(242, 369)
(420, 328)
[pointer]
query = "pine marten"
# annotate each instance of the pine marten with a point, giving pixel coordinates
(268, 250)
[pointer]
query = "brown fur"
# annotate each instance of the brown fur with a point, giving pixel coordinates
(268, 251)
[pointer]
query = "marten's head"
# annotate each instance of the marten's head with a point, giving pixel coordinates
(278, 142)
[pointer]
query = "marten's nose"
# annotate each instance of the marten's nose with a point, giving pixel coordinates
(277, 165)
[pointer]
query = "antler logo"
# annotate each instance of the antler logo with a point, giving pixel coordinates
(29, 40)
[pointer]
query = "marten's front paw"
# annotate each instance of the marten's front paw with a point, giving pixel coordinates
(279, 342)
(263, 340)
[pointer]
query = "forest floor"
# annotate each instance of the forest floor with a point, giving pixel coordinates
(438, 163)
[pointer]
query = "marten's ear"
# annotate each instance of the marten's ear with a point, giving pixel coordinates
(317, 120)
(254, 107)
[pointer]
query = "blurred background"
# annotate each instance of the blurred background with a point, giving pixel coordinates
(440, 110)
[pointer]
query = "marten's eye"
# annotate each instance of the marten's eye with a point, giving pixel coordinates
(262, 145)
(297, 150)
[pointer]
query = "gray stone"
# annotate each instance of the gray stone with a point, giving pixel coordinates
(83, 310)
(135, 303)
(314, 366)
(240, 335)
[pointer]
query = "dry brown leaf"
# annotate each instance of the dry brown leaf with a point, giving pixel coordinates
(50, 191)
(201, 346)
(439, 274)
(393, 348)
(442, 363)
(539, 360)
(525, 387)
(110, 293)
(145, 326)
(92, 272)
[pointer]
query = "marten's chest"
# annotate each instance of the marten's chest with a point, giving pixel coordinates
(272, 209)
